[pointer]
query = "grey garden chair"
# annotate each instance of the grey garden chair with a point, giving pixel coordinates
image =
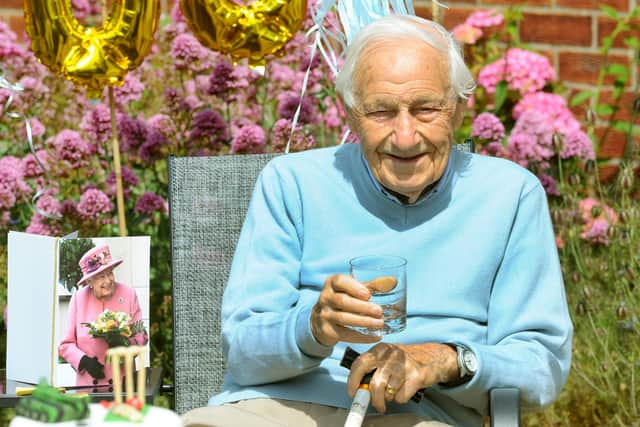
(208, 198)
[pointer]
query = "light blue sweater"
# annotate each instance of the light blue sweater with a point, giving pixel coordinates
(482, 271)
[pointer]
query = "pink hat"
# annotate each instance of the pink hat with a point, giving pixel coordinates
(95, 261)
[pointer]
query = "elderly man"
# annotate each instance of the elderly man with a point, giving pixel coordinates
(483, 276)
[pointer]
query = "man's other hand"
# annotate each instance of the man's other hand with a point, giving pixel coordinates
(344, 302)
(402, 370)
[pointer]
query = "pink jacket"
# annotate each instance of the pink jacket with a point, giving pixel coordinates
(77, 342)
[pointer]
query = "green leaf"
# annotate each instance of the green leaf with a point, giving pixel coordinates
(501, 94)
(580, 97)
(618, 70)
(605, 110)
(626, 127)
(618, 89)
(513, 32)
(610, 12)
(606, 44)
(632, 42)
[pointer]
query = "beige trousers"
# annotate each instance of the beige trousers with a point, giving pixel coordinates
(288, 413)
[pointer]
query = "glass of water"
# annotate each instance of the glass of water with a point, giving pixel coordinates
(386, 278)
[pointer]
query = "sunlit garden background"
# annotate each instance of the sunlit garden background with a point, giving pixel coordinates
(186, 99)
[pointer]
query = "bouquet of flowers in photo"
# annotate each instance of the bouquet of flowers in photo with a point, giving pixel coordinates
(115, 327)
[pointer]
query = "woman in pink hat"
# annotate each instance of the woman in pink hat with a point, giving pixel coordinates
(78, 347)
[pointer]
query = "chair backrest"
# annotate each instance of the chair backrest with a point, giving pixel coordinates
(208, 198)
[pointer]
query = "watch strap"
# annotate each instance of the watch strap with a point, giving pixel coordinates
(464, 375)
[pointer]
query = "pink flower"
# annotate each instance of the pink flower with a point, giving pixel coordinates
(597, 218)
(591, 209)
(82, 8)
(209, 128)
(71, 149)
(49, 204)
(524, 71)
(466, 33)
(12, 185)
(37, 129)
(176, 13)
(553, 107)
(6, 31)
(129, 179)
(34, 87)
(280, 136)
(332, 118)
(220, 80)
(495, 149)
(187, 53)
(162, 123)
(39, 225)
(30, 168)
(96, 124)
(596, 231)
(555, 110)
(288, 104)
(485, 19)
(249, 139)
(93, 202)
(131, 90)
(150, 202)
(549, 184)
(487, 127)
(133, 132)
(577, 144)
(531, 138)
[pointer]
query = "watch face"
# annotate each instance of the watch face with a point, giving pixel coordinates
(470, 361)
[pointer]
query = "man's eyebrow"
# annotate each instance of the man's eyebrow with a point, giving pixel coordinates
(429, 99)
(375, 104)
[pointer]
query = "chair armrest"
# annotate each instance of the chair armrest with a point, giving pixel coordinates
(505, 407)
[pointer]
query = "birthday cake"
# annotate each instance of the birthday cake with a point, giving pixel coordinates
(154, 417)
(48, 406)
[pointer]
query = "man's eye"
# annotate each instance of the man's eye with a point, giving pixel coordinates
(379, 114)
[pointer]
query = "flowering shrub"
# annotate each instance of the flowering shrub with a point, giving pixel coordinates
(520, 112)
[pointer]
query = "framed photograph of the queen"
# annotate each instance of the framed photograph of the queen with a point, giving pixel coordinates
(95, 297)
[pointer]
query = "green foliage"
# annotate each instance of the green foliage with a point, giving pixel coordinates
(602, 292)
(70, 253)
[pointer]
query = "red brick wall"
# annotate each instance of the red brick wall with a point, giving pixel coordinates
(569, 32)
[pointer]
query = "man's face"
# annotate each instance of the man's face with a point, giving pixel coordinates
(405, 114)
(103, 284)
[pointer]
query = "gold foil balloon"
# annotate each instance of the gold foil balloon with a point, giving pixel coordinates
(252, 31)
(93, 57)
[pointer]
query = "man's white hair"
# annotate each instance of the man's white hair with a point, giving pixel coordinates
(397, 27)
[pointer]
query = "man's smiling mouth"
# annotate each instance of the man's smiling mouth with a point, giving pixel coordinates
(406, 158)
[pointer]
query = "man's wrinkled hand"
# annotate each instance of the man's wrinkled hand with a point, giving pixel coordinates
(402, 370)
(344, 302)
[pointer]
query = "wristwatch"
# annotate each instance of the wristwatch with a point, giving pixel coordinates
(467, 362)
(467, 365)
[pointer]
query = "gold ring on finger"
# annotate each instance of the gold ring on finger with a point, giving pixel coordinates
(390, 390)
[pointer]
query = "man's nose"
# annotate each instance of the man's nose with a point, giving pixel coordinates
(405, 131)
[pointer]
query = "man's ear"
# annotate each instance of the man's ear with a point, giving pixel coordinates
(458, 114)
(349, 114)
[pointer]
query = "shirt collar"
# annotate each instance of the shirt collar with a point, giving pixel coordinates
(401, 199)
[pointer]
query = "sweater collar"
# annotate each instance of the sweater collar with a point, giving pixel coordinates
(427, 193)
